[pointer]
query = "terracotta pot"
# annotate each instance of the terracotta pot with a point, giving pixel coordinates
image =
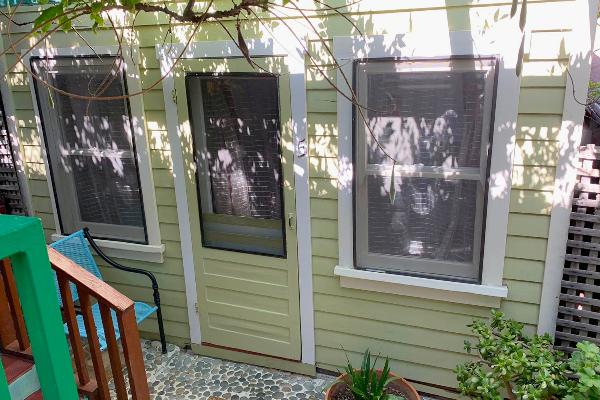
(405, 388)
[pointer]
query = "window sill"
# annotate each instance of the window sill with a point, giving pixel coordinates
(128, 251)
(455, 292)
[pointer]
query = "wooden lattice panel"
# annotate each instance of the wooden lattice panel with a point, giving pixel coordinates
(9, 182)
(579, 307)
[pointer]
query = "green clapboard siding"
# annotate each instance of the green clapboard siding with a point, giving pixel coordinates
(422, 337)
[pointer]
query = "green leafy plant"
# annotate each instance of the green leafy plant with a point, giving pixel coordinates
(585, 365)
(364, 382)
(593, 92)
(511, 363)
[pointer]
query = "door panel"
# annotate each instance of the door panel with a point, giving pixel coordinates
(246, 263)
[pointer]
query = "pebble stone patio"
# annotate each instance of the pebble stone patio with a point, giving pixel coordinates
(183, 375)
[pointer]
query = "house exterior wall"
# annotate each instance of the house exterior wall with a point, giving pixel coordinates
(423, 338)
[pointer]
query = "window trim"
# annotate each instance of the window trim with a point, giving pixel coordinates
(98, 228)
(153, 251)
(461, 271)
(415, 46)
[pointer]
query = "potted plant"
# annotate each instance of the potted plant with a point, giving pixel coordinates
(368, 383)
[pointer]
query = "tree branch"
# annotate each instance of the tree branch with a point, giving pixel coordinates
(189, 16)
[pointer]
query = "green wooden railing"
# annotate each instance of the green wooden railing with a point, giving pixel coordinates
(22, 240)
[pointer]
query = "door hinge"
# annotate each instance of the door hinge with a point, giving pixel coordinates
(174, 95)
(196, 308)
(292, 221)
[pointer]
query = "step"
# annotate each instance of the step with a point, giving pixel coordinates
(21, 375)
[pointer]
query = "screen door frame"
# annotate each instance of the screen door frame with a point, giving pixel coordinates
(204, 188)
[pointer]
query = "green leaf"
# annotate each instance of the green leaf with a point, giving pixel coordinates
(65, 23)
(96, 7)
(130, 4)
(98, 20)
(47, 16)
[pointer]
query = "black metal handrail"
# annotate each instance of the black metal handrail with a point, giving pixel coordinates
(150, 275)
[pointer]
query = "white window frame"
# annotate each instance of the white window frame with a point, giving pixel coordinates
(153, 251)
(502, 44)
(404, 264)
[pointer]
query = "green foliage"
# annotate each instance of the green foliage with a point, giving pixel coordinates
(526, 367)
(585, 365)
(593, 92)
(508, 360)
(61, 14)
(365, 383)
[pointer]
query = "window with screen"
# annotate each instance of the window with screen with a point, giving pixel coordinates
(422, 145)
(237, 138)
(90, 146)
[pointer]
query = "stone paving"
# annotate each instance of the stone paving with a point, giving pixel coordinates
(183, 375)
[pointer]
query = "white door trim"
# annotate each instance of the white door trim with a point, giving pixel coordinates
(293, 53)
(579, 45)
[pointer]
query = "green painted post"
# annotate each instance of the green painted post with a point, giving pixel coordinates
(22, 239)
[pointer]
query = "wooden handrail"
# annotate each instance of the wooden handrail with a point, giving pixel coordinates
(111, 303)
(97, 288)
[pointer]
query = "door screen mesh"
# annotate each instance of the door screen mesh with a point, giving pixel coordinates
(237, 136)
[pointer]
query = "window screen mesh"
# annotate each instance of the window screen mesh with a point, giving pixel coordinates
(431, 121)
(241, 118)
(428, 118)
(238, 140)
(91, 147)
(430, 218)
